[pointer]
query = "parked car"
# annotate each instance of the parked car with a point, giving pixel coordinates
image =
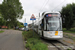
(24, 29)
(17, 28)
(21, 29)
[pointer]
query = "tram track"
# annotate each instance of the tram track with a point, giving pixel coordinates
(69, 37)
(58, 45)
(67, 46)
(55, 46)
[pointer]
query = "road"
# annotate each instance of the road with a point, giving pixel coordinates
(11, 40)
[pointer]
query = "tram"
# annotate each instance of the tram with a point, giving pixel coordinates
(50, 26)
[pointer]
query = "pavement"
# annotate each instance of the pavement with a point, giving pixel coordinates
(11, 40)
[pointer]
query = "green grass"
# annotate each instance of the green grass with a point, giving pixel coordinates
(1, 31)
(29, 34)
(36, 44)
(33, 42)
(69, 36)
(69, 31)
(72, 30)
(69, 49)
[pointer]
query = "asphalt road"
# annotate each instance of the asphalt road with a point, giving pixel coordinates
(11, 40)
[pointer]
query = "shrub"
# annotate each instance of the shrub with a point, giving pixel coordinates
(29, 34)
(33, 42)
(36, 44)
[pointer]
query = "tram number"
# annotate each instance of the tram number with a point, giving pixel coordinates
(56, 32)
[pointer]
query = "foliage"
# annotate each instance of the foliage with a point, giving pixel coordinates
(68, 15)
(1, 21)
(29, 34)
(69, 49)
(20, 26)
(10, 11)
(72, 30)
(33, 42)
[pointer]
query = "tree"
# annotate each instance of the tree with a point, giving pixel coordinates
(2, 22)
(19, 24)
(11, 10)
(68, 15)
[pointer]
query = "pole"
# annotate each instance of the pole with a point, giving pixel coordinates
(25, 22)
(39, 14)
(25, 26)
(33, 27)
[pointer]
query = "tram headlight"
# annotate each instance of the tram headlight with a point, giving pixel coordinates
(49, 32)
(61, 33)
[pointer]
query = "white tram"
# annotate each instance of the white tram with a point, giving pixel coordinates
(50, 26)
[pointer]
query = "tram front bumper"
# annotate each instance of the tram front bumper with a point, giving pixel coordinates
(54, 37)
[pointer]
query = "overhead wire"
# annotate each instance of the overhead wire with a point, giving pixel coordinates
(53, 8)
(58, 5)
(41, 8)
(47, 3)
(44, 4)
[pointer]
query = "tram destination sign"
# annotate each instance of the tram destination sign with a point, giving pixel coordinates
(52, 15)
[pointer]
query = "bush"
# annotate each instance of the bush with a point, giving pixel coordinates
(69, 49)
(40, 46)
(33, 42)
(29, 34)
(36, 44)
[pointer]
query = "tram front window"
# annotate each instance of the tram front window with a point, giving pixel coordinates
(53, 24)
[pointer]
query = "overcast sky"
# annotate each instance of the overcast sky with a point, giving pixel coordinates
(38, 6)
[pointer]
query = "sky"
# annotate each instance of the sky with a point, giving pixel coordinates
(38, 6)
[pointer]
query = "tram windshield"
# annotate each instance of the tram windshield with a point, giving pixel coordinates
(53, 24)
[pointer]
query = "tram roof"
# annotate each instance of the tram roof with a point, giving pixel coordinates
(51, 12)
(42, 16)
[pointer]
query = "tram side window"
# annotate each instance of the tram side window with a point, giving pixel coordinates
(44, 24)
(40, 26)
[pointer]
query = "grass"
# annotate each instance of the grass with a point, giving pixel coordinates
(1, 31)
(72, 30)
(33, 42)
(36, 44)
(69, 36)
(29, 34)
(69, 49)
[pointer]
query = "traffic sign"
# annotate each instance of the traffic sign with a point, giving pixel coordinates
(32, 17)
(25, 24)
